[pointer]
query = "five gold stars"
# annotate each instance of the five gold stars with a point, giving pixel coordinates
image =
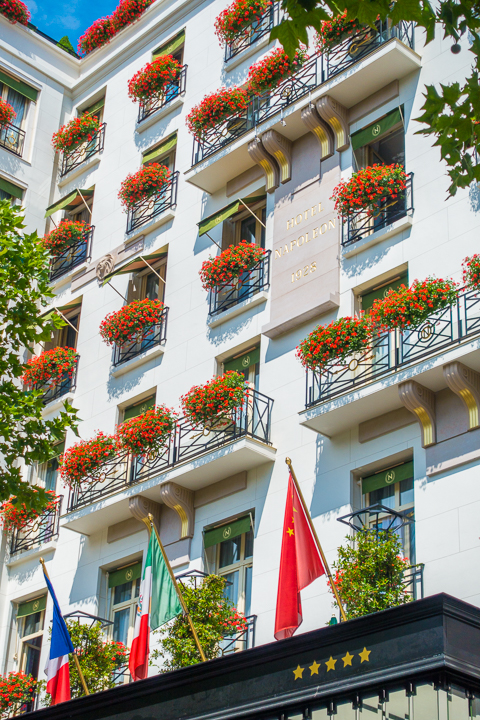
(314, 668)
(364, 655)
(298, 672)
(347, 660)
(330, 664)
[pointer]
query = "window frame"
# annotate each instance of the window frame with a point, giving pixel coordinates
(118, 607)
(24, 639)
(240, 565)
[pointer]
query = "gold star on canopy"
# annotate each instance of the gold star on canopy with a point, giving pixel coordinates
(364, 655)
(290, 531)
(347, 660)
(298, 672)
(330, 664)
(314, 668)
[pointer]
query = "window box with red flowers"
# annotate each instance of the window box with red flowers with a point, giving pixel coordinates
(15, 515)
(333, 31)
(78, 140)
(84, 462)
(212, 405)
(146, 433)
(69, 245)
(104, 29)
(471, 271)
(236, 20)
(368, 188)
(53, 371)
(272, 69)
(224, 104)
(135, 328)
(7, 113)
(15, 11)
(16, 690)
(148, 193)
(157, 84)
(334, 342)
(230, 266)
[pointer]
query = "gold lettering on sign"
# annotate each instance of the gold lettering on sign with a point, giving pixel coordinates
(303, 272)
(305, 238)
(304, 216)
(278, 252)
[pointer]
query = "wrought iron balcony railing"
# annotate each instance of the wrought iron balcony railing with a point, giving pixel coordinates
(41, 530)
(54, 390)
(150, 207)
(248, 284)
(78, 253)
(267, 20)
(172, 91)
(84, 151)
(311, 75)
(12, 138)
(148, 338)
(392, 351)
(242, 640)
(361, 224)
(187, 441)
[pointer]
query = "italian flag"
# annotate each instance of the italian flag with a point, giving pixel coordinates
(158, 603)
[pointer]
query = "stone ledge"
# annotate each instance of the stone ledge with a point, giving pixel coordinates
(159, 114)
(258, 299)
(248, 52)
(73, 174)
(138, 360)
(275, 329)
(377, 237)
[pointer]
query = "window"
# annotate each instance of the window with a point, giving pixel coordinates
(247, 363)
(96, 109)
(393, 488)
(381, 143)
(9, 191)
(229, 549)
(173, 47)
(80, 210)
(244, 226)
(164, 153)
(124, 589)
(30, 624)
(149, 283)
(138, 408)
(66, 336)
(379, 291)
(48, 472)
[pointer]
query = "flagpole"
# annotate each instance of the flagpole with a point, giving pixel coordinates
(177, 588)
(320, 550)
(79, 669)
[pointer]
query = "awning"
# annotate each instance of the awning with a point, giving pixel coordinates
(213, 220)
(94, 108)
(63, 309)
(32, 606)
(136, 264)
(126, 574)
(11, 189)
(387, 477)
(229, 531)
(165, 147)
(169, 47)
(379, 293)
(244, 361)
(70, 201)
(375, 130)
(139, 408)
(26, 90)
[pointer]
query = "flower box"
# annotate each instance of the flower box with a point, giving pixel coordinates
(333, 31)
(129, 323)
(368, 188)
(146, 433)
(215, 108)
(471, 271)
(16, 690)
(7, 113)
(18, 515)
(15, 11)
(77, 131)
(128, 11)
(269, 72)
(84, 461)
(211, 405)
(230, 265)
(154, 78)
(148, 181)
(51, 367)
(237, 18)
(65, 235)
(103, 29)
(335, 341)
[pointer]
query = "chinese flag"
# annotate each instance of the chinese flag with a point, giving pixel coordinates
(300, 564)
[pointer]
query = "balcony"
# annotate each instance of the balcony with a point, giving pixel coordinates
(78, 253)
(159, 101)
(341, 395)
(153, 206)
(55, 390)
(150, 337)
(83, 152)
(230, 294)
(12, 138)
(257, 30)
(42, 530)
(361, 226)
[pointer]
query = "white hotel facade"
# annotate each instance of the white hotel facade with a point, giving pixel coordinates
(399, 426)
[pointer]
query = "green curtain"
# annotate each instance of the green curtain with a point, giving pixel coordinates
(21, 87)
(376, 129)
(11, 189)
(126, 574)
(387, 477)
(229, 531)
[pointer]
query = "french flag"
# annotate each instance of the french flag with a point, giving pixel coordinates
(56, 669)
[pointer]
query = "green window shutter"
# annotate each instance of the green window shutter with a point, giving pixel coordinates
(67, 200)
(369, 298)
(32, 606)
(243, 362)
(94, 108)
(21, 87)
(213, 220)
(375, 130)
(139, 408)
(126, 574)
(387, 477)
(229, 531)
(171, 46)
(11, 189)
(162, 149)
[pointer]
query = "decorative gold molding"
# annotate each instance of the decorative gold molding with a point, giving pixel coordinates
(465, 383)
(337, 117)
(268, 164)
(421, 402)
(141, 506)
(181, 500)
(320, 129)
(281, 149)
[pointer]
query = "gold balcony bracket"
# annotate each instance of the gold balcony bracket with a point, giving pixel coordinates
(465, 383)
(281, 149)
(140, 507)
(181, 500)
(268, 164)
(320, 129)
(337, 117)
(421, 402)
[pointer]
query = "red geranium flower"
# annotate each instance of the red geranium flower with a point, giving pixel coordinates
(335, 341)
(146, 182)
(154, 78)
(7, 113)
(214, 401)
(230, 264)
(215, 108)
(18, 515)
(269, 72)
(15, 11)
(131, 321)
(148, 432)
(237, 18)
(65, 235)
(83, 462)
(369, 187)
(51, 367)
(75, 132)
(335, 30)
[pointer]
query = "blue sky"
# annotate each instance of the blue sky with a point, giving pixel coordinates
(58, 18)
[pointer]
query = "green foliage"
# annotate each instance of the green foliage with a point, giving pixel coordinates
(65, 43)
(369, 576)
(24, 265)
(213, 617)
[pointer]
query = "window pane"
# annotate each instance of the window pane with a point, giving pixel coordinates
(122, 593)
(249, 544)
(33, 624)
(32, 656)
(121, 624)
(18, 102)
(247, 229)
(231, 589)
(152, 287)
(230, 551)
(384, 496)
(406, 492)
(137, 587)
(51, 474)
(248, 590)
